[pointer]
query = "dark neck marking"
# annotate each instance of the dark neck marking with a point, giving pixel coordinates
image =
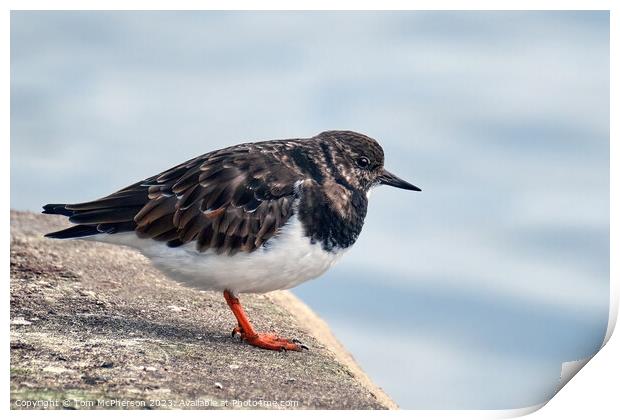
(329, 161)
(325, 225)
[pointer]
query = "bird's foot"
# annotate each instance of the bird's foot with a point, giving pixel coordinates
(269, 341)
(272, 342)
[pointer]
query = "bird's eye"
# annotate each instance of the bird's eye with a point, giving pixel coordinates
(362, 162)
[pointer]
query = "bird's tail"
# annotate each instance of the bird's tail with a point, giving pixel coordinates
(112, 214)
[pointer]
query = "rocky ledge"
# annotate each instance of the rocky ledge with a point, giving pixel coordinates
(95, 326)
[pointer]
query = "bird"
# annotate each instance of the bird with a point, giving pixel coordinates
(251, 218)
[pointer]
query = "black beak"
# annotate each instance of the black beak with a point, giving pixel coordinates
(387, 178)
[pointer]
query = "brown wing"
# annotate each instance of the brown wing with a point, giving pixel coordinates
(230, 200)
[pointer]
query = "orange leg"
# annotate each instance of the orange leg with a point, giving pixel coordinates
(263, 340)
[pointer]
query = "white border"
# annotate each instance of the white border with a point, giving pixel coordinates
(592, 393)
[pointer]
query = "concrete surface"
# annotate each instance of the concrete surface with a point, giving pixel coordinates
(95, 326)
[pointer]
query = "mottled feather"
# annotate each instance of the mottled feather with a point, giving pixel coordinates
(230, 200)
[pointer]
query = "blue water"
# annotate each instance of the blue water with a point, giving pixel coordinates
(469, 294)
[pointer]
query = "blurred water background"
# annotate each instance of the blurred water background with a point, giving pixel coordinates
(469, 294)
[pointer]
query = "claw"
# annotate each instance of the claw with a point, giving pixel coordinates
(235, 331)
(294, 340)
(303, 346)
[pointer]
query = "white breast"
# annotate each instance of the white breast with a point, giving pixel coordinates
(285, 261)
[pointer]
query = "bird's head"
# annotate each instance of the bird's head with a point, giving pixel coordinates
(358, 161)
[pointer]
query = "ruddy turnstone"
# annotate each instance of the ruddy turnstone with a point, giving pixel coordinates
(250, 218)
